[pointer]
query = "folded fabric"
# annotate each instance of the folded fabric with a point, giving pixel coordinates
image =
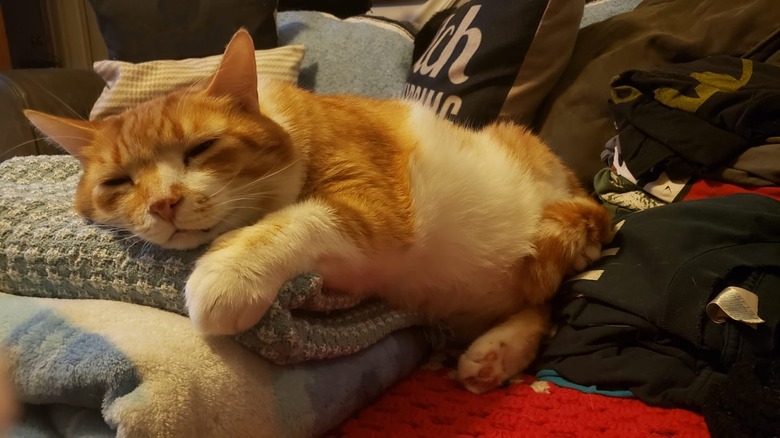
(46, 250)
(104, 368)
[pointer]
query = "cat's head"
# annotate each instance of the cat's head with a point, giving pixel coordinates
(182, 169)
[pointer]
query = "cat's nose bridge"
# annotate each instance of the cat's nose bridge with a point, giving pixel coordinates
(165, 207)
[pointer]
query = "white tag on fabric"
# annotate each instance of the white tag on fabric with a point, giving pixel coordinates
(737, 304)
(664, 188)
(588, 275)
(609, 252)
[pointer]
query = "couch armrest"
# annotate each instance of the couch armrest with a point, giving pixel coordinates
(65, 92)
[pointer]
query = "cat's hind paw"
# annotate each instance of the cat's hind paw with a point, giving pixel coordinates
(481, 371)
(503, 351)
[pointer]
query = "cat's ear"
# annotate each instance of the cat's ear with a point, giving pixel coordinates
(236, 76)
(72, 135)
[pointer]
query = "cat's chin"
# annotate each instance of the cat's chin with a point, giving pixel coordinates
(188, 239)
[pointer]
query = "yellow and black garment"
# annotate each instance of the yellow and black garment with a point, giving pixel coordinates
(687, 119)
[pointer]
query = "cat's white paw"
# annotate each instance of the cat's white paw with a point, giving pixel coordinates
(491, 360)
(589, 252)
(225, 296)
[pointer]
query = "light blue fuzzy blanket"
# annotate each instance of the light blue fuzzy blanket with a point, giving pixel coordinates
(101, 368)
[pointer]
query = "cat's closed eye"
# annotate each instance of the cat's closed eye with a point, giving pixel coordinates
(199, 149)
(118, 181)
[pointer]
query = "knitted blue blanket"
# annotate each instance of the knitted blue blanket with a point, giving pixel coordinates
(48, 251)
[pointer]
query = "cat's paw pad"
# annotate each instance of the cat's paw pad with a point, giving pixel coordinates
(224, 297)
(480, 371)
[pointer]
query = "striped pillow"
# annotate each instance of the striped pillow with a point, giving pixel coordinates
(128, 84)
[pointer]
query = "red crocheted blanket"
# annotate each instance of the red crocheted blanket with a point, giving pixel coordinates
(428, 403)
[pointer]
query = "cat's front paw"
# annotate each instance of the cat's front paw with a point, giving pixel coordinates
(225, 295)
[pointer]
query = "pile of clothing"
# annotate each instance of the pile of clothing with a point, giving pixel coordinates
(683, 308)
(696, 130)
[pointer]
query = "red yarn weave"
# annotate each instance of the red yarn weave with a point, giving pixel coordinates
(429, 404)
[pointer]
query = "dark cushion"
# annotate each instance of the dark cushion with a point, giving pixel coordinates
(59, 91)
(495, 59)
(146, 30)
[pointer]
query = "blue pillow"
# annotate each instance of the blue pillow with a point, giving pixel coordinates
(359, 55)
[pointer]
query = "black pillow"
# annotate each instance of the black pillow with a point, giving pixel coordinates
(146, 30)
(493, 59)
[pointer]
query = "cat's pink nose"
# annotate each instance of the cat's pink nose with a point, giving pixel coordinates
(165, 207)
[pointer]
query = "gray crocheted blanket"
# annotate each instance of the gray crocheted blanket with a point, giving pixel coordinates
(47, 250)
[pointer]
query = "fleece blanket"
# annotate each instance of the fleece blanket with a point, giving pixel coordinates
(105, 368)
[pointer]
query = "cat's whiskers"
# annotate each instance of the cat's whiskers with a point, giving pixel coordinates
(103, 138)
(134, 238)
(128, 248)
(11, 150)
(70, 108)
(232, 209)
(248, 197)
(189, 91)
(223, 187)
(146, 247)
(266, 176)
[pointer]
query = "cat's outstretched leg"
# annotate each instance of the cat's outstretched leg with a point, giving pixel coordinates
(504, 351)
(571, 235)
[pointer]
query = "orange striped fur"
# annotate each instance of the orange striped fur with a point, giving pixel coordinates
(476, 229)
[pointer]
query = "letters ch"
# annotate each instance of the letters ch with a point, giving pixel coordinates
(452, 36)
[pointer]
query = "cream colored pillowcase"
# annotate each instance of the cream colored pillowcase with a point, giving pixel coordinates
(129, 84)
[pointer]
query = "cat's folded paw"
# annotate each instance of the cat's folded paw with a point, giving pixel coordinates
(589, 252)
(225, 296)
(595, 230)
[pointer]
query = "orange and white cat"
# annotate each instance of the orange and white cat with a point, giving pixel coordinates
(476, 229)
